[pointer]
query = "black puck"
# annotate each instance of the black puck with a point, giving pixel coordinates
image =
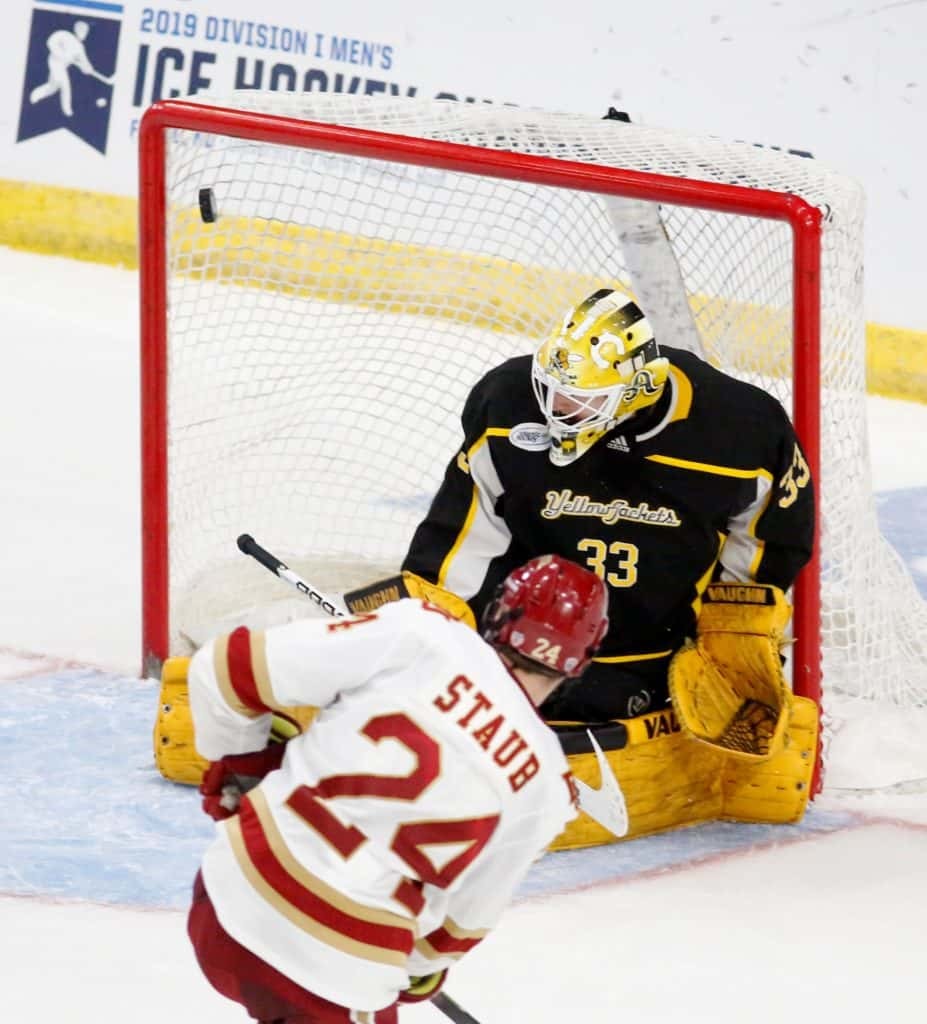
(209, 211)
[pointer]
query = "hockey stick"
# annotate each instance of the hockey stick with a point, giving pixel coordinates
(453, 1010)
(333, 605)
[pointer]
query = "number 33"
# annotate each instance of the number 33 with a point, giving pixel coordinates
(624, 556)
(794, 479)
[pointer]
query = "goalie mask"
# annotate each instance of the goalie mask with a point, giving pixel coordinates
(599, 367)
(551, 612)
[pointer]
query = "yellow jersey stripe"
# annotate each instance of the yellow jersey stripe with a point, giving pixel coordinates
(707, 467)
(634, 657)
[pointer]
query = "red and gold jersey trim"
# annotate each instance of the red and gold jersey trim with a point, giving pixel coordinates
(449, 940)
(240, 661)
(305, 900)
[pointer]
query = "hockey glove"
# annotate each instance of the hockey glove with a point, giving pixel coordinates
(425, 987)
(728, 688)
(229, 778)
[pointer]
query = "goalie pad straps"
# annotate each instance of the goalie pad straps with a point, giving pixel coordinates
(407, 584)
(728, 688)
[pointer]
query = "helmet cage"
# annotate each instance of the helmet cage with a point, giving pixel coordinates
(590, 408)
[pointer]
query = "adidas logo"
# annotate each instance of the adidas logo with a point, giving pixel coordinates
(619, 444)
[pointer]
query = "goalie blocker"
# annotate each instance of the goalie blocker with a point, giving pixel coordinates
(408, 584)
(736, 745)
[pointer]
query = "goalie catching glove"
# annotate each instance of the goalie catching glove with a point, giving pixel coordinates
(728, 688)
(407, 584)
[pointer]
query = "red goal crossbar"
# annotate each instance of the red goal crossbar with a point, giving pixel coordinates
(804, 220)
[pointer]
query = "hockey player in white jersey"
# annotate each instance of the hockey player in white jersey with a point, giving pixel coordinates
(356, 863)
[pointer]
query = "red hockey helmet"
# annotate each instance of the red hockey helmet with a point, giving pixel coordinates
(550, 611)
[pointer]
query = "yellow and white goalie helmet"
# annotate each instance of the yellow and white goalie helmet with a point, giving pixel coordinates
(599, 367)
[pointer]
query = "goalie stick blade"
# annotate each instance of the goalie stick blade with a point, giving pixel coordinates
(605, 805)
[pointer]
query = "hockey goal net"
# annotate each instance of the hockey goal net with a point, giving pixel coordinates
(325, 277)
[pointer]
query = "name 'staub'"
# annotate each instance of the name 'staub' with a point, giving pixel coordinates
(565, 503)
(513, 753)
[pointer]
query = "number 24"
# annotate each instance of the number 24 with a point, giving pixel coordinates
(408, 839)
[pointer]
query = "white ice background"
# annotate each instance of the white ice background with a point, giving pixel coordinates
(726, 924)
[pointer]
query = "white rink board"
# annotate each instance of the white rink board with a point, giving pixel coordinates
(842, 81)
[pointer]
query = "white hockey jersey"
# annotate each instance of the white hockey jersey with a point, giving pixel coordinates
(400, 823)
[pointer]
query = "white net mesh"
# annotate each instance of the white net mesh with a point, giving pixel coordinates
(325, 330)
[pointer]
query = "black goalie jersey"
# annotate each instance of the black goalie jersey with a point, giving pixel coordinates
(709, 483)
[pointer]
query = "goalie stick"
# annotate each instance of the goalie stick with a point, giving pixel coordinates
(606, 805)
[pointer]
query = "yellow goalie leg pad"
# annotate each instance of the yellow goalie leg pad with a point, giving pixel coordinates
(174, 745)
(174, 749)
(670, 780)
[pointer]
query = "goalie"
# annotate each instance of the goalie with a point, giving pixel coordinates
(687, 492)
(668, 479)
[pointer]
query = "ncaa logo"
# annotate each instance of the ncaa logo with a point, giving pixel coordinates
(530, 437)
(70, 64)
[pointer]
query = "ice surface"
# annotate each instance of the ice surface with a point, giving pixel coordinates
(723, 923)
